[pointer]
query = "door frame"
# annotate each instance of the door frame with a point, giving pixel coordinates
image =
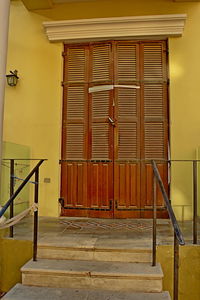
(93, 212)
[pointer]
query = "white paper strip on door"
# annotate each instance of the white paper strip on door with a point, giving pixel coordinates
(100, 88)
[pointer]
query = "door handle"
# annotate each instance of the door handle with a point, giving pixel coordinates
(112, 122)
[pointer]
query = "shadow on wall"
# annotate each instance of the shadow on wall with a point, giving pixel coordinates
(182, 190)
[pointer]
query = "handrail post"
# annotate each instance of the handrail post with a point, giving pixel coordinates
(12, 173)
(194, 202)
(154, 221)
(35, 233)
(176, 267)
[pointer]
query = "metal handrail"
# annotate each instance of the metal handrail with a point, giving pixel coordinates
(175, 225)
(13, 195)
(178, 236)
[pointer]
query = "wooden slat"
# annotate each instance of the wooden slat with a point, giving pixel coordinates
(76, 64)
(126, 67)
(100, 184)
(127, 104)
(128, 193)
(100, 105)
(101, 102)
(75, 141)
(94, 202)
(105, 186)
(153, 101)
(127, 113)
(134, 186)
(127, 141)
(128, 126)
(101, 62)
(154, 140)
(127, 189)
(74, 184)
(75, 102)
(100, 141)
(154, 119)
(69, 183)
(153, 61)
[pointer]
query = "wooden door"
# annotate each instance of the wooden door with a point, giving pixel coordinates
(87, 152)
(114, 119)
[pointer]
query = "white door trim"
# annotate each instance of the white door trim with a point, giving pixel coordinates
(155, 26)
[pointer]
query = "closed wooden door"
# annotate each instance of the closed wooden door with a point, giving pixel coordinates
(114, 120)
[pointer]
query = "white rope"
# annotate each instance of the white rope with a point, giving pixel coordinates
(13, 221)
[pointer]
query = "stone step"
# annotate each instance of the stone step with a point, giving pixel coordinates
(21, 292)
(74, 251)
(116, 276)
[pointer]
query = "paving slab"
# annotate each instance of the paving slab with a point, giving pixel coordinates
(20, 292)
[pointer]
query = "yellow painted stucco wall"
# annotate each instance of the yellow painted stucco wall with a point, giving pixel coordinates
(33, 108)
(13, 255)
(189, 270)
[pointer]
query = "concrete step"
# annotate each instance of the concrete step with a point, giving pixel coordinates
(20, 292)
(74, 250)
(115, 276)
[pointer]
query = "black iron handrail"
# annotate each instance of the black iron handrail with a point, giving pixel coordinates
(178, 236)
(13, 195)
(175, 225)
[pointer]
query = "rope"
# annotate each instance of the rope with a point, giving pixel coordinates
(18, 178)
(13, 221)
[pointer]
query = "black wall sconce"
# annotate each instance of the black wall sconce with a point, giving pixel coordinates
(12, 78)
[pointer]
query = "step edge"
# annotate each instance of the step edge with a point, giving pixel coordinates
(90, 274)
(97, 249)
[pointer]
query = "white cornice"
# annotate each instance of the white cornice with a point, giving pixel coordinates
(109, 28)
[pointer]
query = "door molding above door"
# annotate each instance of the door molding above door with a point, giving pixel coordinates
(97, 29)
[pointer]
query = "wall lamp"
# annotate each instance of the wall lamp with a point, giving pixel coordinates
(12, 78)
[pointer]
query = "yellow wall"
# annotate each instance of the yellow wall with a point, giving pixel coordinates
(33, 108)
(189, 272)
(13, 255)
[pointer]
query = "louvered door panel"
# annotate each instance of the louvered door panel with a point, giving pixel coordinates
(127, 104)
(127, 141)
(154, 100)
(101, 135)
(100, 127)
(126, 62)
(127, 131)
(153, 62)
(101, 132)
(75, 69)
(154, 140)
(127, 170)
(128, 125)
(74, 126)
(155, 118)
(75, 102)
(100, 141)
(101, 63)
(75, 119)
